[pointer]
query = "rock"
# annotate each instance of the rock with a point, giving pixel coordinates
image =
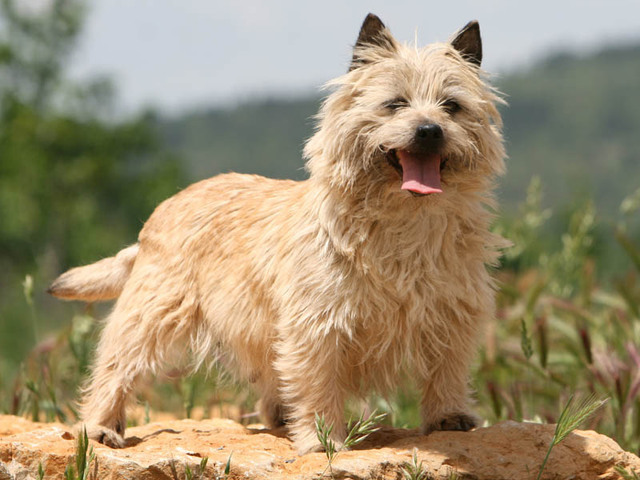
(508, 450)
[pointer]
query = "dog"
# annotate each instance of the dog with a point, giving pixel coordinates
(331, 287)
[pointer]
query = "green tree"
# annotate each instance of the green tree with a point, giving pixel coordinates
(76, 179)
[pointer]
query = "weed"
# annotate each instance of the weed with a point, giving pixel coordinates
(625, 474)
(83, 458)
(189, 385)
(324, 431)
(525, 340)
(174, 469)
(27, 289)
(199, 473)
(227, 468)
(413, 470)
(356, 432)
(570, 419)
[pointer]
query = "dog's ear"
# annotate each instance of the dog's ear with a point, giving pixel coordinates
(467, 41)
(374, 42)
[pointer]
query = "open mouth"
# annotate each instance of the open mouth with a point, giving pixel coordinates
(420, 172)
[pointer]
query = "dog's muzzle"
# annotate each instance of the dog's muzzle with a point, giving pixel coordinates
(420, 164)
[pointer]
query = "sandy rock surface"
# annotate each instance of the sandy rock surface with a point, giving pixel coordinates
(509, 451)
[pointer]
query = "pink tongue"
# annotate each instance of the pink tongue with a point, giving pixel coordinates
(420, 173)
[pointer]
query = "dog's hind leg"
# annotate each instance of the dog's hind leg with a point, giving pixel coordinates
(119, 363)
(272, 410)
(134, 342)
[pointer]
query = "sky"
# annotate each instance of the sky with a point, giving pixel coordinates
(183, 54)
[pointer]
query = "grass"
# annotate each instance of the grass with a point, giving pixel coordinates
(414, 470)
(200, 471)
(625, 474)
(571, 417)
(357, 431)
(559, 331)
(83, 458)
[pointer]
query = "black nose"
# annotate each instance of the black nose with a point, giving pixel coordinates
(429, 131)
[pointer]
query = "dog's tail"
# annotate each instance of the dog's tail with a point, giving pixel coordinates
(103, 280)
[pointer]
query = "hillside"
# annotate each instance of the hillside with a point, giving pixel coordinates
(572, 120)
(264, 137)
(575, 122)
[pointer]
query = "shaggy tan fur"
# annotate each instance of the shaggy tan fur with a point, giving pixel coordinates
(330, 287)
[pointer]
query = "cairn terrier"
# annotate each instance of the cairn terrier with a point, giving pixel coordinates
(330, 287)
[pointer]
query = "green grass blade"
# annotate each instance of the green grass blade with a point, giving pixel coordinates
(627, 244)
(625, 474)
(570, 418)
(227, 468)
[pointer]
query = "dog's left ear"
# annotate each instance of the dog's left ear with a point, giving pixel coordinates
(374, 41)
(467, 41)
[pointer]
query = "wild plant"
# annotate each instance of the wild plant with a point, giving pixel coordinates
(83, 458)
(356, 432)
(571, 417)
(414, 470)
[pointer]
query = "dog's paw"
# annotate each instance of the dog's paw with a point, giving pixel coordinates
(272, 414)
(103, 435)
(462, 422)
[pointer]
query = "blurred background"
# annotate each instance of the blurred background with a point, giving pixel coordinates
(108, 107)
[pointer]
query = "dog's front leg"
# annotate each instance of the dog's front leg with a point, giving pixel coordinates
(311, 368)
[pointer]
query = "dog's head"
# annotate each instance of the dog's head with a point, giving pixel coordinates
(408, 120)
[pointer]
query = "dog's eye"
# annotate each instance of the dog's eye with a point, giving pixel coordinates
(396, 104)
(451, 106)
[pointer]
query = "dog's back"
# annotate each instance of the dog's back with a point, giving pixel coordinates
(204, 207)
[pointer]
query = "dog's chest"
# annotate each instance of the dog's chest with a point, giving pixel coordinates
(401, 256)
(405, 272)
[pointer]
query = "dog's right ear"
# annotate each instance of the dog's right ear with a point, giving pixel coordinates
(374, 42)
